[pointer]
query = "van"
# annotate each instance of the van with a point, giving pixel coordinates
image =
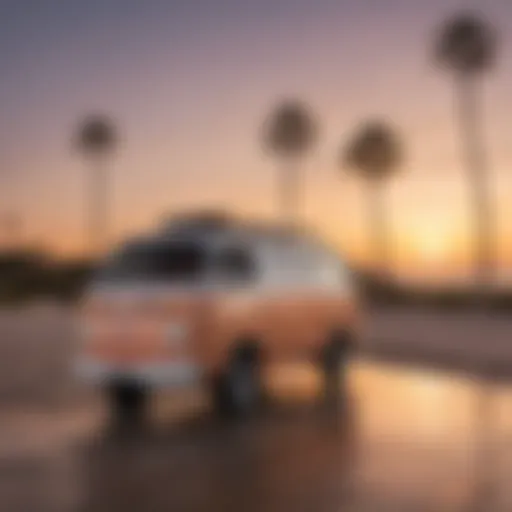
(214, 300)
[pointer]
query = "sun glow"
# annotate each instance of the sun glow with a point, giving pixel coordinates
(433, 243)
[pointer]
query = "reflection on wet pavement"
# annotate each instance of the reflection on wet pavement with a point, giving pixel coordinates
(403, 440)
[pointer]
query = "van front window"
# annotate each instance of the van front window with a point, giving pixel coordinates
(156, 261)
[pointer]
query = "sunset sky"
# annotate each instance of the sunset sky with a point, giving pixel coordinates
(189, 83)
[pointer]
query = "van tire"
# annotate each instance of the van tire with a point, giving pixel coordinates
(334, 360)
(128, 402)
(237, 390)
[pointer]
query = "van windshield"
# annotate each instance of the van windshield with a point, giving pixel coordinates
(156, 261)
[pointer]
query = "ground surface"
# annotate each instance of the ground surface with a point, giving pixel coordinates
(429, 435)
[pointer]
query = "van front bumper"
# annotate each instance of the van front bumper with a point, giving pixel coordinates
(160, 375)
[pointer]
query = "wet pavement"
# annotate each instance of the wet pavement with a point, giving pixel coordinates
(405, 438)
(402, 440)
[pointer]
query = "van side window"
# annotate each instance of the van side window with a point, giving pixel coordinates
(336, 274)
(297, 266)
(235, 264)
(329, 272)
(287, 266)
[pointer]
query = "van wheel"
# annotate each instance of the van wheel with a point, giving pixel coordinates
(334, 359)
(128, 402)
(237, 390)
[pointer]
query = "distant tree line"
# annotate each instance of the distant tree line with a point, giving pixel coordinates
(28, 275)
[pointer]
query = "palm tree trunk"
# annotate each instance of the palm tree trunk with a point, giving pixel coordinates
(98, 206)
(478, 180)
(379, 229)
(289, 192)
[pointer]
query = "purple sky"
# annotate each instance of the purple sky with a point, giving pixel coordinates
(190, 82)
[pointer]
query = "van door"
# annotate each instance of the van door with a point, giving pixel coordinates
(288, 302)
(309, 301)
(323, 303)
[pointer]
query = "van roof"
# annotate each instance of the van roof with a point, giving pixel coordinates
(223, 226)
(216, 229)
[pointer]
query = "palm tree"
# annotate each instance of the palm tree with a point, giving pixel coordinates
(96, 140)
(466, 46)
(375, 153)
(289, 133)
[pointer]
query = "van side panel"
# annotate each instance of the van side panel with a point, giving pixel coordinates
(234, 317)
(326, 314)
(287, 327)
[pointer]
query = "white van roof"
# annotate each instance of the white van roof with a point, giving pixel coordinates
(223, 228)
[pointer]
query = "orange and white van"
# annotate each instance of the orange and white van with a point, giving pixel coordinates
(213, 300)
